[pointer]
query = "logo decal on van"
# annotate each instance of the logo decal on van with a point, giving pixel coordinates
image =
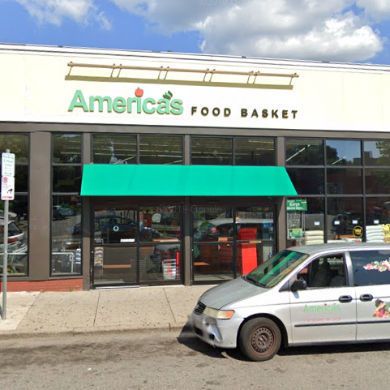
(335, 307)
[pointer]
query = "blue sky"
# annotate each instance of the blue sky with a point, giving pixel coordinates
(331, 30)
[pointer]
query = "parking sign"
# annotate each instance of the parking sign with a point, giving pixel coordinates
(7, 176)
(8, 164)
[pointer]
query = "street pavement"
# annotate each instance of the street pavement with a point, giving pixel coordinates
(120, 309)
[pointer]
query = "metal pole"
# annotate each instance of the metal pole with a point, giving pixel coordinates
(5, 257)
(5, 261)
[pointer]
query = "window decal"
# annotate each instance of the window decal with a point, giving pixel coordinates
(382, 309)
(381, 266)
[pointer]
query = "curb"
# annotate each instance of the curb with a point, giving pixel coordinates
(185, 332)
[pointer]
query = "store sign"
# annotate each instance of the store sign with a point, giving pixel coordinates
(296, 205)
(136, 104)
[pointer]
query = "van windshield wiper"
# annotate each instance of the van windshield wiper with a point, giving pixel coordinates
(253, 281)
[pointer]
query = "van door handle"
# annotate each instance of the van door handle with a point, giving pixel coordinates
(366, 297)
(345, 298)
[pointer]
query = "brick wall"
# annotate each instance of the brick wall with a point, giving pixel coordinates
(45, 285)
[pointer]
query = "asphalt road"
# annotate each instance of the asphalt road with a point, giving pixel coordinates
(164, 361)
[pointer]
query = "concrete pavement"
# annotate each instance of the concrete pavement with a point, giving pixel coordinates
(142, 308)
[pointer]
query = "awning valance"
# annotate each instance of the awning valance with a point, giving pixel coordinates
(185, 180)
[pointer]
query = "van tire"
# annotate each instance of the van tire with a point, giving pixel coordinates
(260, 339)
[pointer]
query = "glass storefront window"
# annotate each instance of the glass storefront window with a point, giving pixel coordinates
(345, 219)
(18, 226)
(254, 237)
(67, 148)
(378, 210)
(160, 224)
(17, 236)
(210, 224)
(114, 149)
(254, 151)
(344, 181)
(377, 152)
(377, 181)
(66, 205)
(21, 178)
(161, 149)
(17, 144)
(66, 235)
(343, 152)
(230, 241)
(211, 151)
(66, 178)
(134, 245)
(305, 221)
(307, 180)
(302, 151)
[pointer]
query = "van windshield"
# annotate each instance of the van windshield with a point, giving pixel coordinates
(276, 268)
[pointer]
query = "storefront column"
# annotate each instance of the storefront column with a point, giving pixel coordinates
(39, 206)
(281, 206)
(86, 218)
(187, 221)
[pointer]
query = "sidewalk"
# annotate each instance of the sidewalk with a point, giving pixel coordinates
(41, 313)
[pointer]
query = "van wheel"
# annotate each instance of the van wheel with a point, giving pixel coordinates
(260, 339)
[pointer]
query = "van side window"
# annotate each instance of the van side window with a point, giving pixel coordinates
(371, 267)
(326, 271)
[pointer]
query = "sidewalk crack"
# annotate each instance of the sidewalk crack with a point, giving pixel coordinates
(97, 307)
(25, 316)
(170, 307)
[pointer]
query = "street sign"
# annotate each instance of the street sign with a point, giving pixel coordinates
(8, 164)
(296, 205)
(7, 188)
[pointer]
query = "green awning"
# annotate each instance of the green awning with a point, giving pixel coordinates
(185, 180)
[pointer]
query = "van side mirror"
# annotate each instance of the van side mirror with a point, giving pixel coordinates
(299, 284)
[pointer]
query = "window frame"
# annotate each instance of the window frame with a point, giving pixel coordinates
(53, 194)
(23, 194)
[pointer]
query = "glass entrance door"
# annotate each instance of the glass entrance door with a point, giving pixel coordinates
(137, 245)
(115, 246)
(230, 240)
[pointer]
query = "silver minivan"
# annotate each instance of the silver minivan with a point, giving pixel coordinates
(317, 294)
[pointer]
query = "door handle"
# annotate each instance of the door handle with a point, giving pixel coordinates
(366, 297)
(345, 298)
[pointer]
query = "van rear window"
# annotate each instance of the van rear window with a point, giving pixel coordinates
(371, 267)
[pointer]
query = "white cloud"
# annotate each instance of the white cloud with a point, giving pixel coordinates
(334, 30)
(377, 9)
(54, 11)
(338, 39)
(307, 29)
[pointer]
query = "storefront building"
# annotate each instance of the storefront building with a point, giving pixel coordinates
(140, 168)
